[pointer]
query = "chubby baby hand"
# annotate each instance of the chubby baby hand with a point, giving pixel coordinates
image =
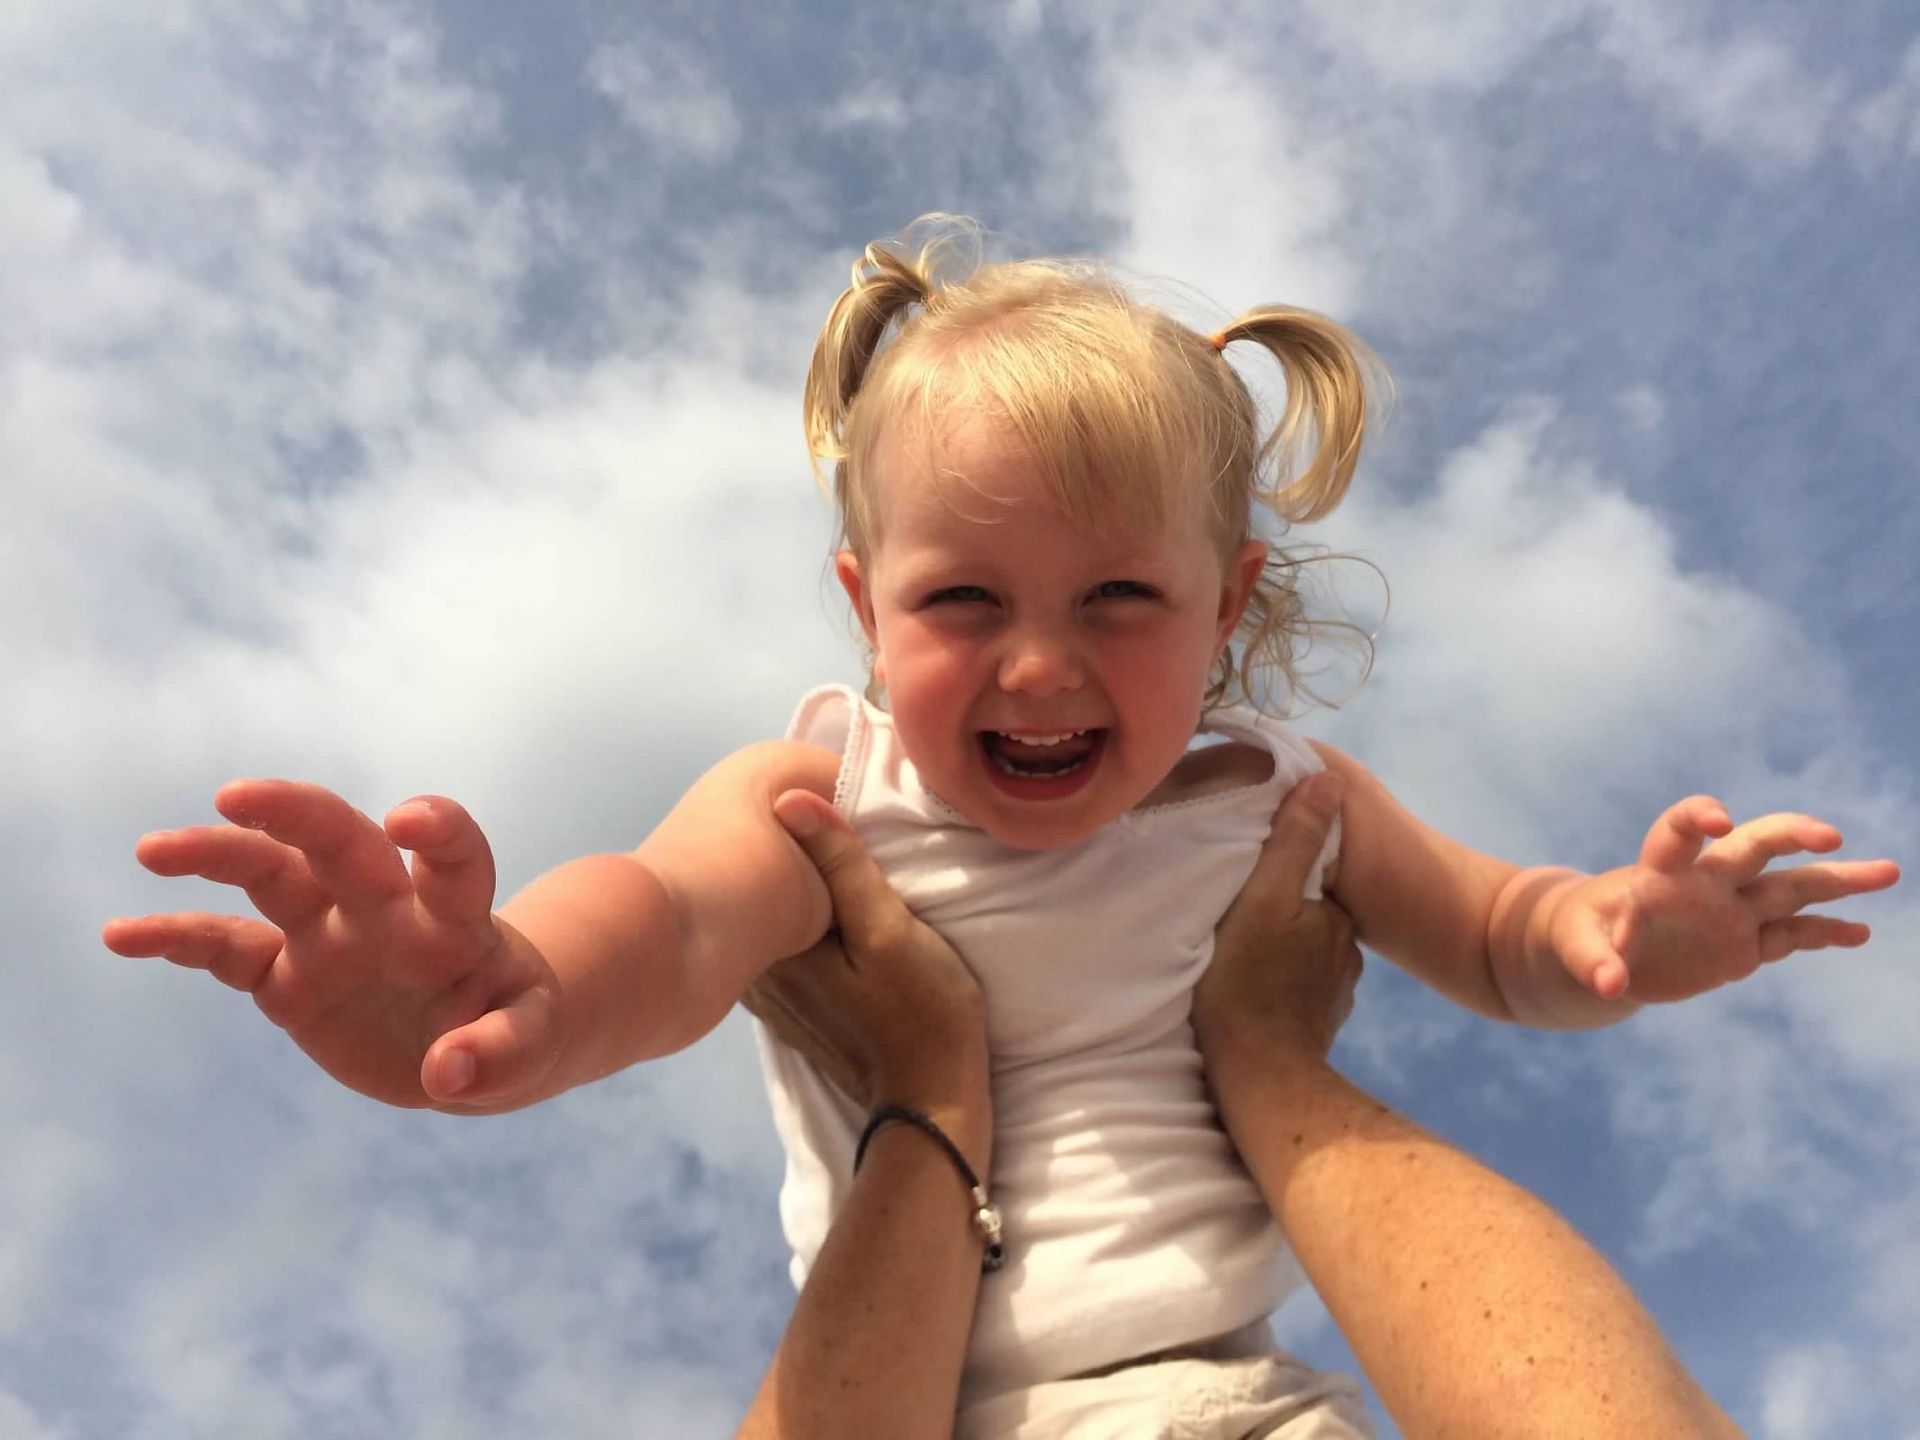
(1701, 908)
(405, 987)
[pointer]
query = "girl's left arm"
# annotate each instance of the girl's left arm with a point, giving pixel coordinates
(1454, 917)
(1558, 949)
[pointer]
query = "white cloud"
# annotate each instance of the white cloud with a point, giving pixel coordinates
(1221, 179)
(1542, 626)
(1642, 407)
(1886, 123)
(1745, 92)
(877, 105)
(490, 585)
(668, 97)
(1810, 1392)
(1885, 1230)
(1712, 1099)
(51, 1172)
(1472, 45)
(1748, 95)
(18, 1421)
(1023, 17)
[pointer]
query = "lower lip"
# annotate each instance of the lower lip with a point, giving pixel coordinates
(1043, 787)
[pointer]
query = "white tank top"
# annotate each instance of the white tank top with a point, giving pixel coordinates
(1131, 1226)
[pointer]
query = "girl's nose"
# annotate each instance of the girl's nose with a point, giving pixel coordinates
(1037, 664)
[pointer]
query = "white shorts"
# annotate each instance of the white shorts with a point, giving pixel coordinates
(1237, 1387)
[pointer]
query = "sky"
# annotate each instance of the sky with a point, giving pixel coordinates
(406, 397)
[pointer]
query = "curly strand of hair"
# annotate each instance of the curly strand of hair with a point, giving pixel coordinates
(1276, 633)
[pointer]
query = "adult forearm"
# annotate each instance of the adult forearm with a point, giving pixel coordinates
(1475, 1310)
(879, 1335)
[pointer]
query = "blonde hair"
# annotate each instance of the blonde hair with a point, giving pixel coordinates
(1119, 406)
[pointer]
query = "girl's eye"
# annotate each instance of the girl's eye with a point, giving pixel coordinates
(1123, 590)
(958, 594)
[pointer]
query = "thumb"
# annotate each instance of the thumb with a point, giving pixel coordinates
(862, 900)
(1299, 834)
(502, 1055)
(1596, 965)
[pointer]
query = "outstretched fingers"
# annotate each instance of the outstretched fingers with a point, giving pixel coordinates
(1749, 848)
(453, 873)
(348, 855)
(275, 876)
(1781, 938)
(1677, 837)
(1785, 892)
(234, 951)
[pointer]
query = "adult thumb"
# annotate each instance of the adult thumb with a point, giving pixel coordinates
(1299, 834)
(863, 902)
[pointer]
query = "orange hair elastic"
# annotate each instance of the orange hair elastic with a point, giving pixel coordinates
(1218, 340)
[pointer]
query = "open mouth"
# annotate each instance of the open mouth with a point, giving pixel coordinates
(1038, 767)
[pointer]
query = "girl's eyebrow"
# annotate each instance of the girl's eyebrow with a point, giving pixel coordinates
(935, 573)
(926, 560)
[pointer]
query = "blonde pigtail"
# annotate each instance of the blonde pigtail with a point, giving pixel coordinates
(932, 255)
(1331, 379)
(1328, 373)
(884, 285)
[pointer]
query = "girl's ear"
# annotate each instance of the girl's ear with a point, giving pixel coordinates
(1244, 570)
(854, 581)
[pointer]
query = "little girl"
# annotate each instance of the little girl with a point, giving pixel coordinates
(1052, 499)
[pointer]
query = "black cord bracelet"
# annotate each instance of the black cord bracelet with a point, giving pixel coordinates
(986, 1218)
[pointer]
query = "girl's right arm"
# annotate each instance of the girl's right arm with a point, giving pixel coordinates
(408, 988)
(658, 945)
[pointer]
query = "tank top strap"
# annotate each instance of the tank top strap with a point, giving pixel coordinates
(1293, 760)
(825, 717)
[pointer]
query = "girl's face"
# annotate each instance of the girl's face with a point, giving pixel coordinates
(1044, 678)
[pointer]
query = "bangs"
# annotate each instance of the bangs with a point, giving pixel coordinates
(1102, 394)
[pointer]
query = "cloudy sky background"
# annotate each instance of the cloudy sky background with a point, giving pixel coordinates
(406, 397)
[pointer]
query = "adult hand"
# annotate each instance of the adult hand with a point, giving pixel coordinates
(1473, 1308)
(888, 1012)
(1284, 967)
(882, 1004)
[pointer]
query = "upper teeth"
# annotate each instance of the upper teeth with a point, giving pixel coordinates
(1039, 739)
